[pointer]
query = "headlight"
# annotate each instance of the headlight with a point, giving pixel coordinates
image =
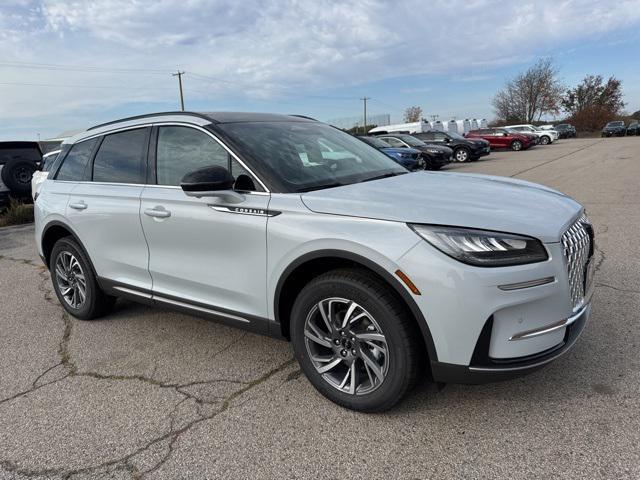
(433, 150)
(483, 248)
(405, 155)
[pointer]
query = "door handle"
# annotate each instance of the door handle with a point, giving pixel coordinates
(157, 212)
(78, 206)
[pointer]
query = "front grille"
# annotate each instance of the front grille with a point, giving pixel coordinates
(577, 243)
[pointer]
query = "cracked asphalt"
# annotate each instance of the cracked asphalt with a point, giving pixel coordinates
(149, 393)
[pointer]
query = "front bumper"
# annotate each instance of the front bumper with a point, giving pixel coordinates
(439, 158)
(483, 369)
(481, 152)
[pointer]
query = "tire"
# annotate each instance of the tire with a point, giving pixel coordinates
(377, 312)
(461, 155)
(544, 140)
(435, 167)
(16, 175)
(69, 264)
(516, 145)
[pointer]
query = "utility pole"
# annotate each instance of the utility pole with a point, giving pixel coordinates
(364, 99)
(179, 75)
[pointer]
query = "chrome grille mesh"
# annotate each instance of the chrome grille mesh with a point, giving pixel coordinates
(576, 243)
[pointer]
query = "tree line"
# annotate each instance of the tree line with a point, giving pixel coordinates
(538, 93)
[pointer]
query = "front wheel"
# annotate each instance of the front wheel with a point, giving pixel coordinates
(516, 145)
(355, 341)
(545, 140)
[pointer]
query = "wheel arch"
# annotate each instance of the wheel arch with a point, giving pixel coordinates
(54, 231)
(311, 264)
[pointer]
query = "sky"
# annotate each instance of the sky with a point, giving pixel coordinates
(70, 64)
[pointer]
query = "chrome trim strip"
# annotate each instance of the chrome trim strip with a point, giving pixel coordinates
(549, 328)
(132, 291)
(257, 212)
(199, 309)
(527, 284)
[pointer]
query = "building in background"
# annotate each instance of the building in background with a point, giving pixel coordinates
(348, 123)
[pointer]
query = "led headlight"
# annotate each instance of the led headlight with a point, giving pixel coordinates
(483, 248)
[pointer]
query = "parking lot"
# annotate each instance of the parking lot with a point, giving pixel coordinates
(148, 393)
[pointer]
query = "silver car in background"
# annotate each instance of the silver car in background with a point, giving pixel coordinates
(377, 276)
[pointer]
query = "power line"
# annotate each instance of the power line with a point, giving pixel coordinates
(80, 68)
(68, 85)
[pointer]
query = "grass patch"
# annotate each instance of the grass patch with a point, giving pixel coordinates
(17, 213)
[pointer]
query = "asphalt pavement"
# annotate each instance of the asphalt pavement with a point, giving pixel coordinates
(149, 393)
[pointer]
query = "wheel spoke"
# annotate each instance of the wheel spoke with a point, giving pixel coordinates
(325, 318)
(350, 309)
(61, 273)
(354, 378)
(318, 339)
(330, 365)
(372, 364)
(374, 337)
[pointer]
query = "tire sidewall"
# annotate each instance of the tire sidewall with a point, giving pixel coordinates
(68, 245)
(398, 361)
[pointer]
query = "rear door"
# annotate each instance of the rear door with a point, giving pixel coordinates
(104, 210)
(204, 253)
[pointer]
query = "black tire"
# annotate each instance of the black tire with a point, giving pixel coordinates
(461, 155)
(405, 352)
(544, 140)
(435, 167)
(96, 303)
(516, 145)
(16, 175)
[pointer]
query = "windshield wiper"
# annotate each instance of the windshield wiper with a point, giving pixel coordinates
(385, 175)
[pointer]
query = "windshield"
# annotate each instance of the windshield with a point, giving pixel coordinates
(457, 136)
(305, 156)
(412, 141)
(375, 142)
(615, 124)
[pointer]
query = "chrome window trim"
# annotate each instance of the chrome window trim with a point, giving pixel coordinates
(229, 151)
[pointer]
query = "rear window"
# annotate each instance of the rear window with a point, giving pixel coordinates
(11, 150)
(75, 163)
(121, 157)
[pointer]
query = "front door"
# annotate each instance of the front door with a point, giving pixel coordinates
(204, 253)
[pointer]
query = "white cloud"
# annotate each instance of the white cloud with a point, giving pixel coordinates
(271, 48)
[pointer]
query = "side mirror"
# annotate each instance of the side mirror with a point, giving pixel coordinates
(213, 181)
(505, 134)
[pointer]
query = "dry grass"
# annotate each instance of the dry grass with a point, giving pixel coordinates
(17, 213)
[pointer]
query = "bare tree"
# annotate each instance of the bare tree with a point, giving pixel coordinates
(593, 102)
(412, 114)
(530, 95)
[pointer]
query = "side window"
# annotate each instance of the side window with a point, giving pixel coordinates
(440, 137)
(121, 157)
(182, 150)
(394, 142)
(75, 163)
(428, 136)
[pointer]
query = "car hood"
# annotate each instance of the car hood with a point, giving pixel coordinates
(460, 199)
(399, 150)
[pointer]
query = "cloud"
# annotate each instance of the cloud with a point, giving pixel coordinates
(267, 49)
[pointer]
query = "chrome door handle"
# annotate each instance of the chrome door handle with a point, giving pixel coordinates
(157, 212)
(78, 206)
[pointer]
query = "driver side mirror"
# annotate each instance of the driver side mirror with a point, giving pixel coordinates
(213, 181)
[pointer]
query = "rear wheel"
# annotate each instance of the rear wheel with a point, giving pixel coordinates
(75, 283)
(461, 155)
(516, 145)
(544, 140)
(16, 175)
(355, 341)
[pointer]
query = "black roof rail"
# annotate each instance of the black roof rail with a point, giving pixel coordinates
(303, 116)
(137, 117)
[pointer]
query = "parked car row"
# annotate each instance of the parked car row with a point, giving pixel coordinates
(618, 128)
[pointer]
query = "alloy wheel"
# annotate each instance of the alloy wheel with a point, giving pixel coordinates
(70, 280)
(346, 346)
(461, 155)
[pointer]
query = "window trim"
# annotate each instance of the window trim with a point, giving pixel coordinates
(152, 167)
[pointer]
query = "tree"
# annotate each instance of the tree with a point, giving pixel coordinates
(412, 114)
(530, 95)
(593, 102)
(636, 115)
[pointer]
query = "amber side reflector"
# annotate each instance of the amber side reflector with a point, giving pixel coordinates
(407, 281)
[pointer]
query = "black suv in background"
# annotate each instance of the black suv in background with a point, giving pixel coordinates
(565, 130)
(18, 161)
(435, 156)
(616, 128)
(464, 149)
(633, 128)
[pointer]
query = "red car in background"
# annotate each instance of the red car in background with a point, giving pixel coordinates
(501, 138)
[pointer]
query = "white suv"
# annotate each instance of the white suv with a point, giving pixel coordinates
(375, 279)
(545, 136)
